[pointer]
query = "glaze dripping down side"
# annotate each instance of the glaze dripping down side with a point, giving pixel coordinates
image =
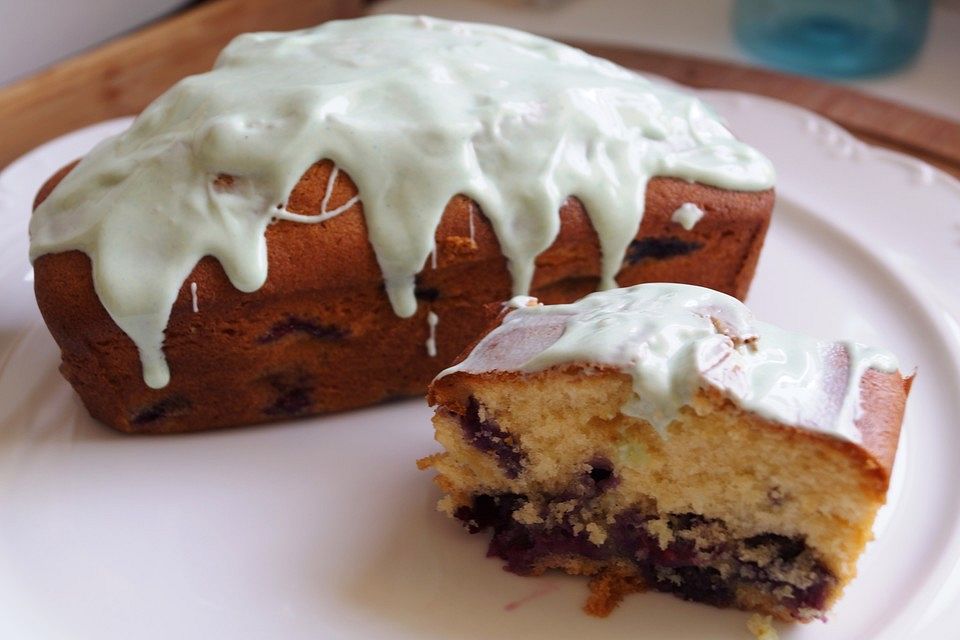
(415, 110)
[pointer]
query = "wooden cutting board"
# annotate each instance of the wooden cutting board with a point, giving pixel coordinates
(124, 75)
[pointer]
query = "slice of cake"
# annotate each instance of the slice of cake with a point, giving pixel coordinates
(658, 437)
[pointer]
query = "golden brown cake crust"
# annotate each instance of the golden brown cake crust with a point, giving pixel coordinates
(320, 335)
(884, 397)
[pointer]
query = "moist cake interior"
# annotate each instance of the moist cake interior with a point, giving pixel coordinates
(724, 508)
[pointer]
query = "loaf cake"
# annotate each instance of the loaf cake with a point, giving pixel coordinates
(658, 437)
(316, 224)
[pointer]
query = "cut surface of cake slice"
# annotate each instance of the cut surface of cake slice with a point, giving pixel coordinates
(658, 437)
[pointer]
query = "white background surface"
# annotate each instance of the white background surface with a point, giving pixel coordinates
(323, 527)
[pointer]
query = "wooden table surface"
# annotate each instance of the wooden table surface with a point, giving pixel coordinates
(124, 75)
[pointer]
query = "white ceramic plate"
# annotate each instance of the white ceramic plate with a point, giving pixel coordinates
(323, 528)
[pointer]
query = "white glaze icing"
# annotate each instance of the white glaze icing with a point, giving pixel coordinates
(432, 321)
(415, 110)
(687, 215)
(194, 303)
(674, 339)
(328, 193)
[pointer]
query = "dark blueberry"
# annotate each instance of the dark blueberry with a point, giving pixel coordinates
(699, 585)
(293, 324)
(294, 395)
(293, 402)
(170, 406)
(659, 248)
(522, 546)
(427, 294)
(487, 436)
(628, 535)
(601, 475)
(815, 596)
(686, 521)
(488, 511)
(681, 568)
(517, 545)
(678, 553)
(787, 549)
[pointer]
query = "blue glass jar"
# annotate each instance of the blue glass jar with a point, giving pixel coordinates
(833, 38)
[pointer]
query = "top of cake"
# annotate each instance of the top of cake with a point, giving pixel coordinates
(416, 110)
(674, 339)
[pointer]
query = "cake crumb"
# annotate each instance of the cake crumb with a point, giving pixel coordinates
(661, 530)
(560, 509)
(666, 574)
(528, 514)
(607, 589)
(760, 555)
(596, 535)
(762, 627)
(428, 461)
(447, 506)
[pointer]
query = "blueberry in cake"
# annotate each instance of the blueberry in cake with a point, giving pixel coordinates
(658, 437)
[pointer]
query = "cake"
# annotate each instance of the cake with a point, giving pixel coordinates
(316, 224)
(659, 437)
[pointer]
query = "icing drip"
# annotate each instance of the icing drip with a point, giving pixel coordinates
(415, 110)
(331, 180)
(674, 339)
(687, 215)
(432, 321)
(194, 303)
(325, 214)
